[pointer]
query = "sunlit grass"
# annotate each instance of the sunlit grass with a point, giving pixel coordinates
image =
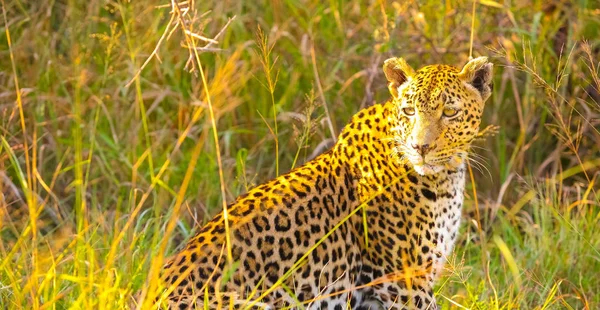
(110, 110)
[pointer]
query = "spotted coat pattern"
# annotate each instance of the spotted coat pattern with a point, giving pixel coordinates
(368, 224)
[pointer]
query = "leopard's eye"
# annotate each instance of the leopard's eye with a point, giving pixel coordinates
(409, 111)
(449, 112)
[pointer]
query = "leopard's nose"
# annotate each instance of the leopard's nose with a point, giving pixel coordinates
(422, 149)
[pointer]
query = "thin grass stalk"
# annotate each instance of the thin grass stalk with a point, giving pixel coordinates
(192, 43)
(265, 54)
(28, 186)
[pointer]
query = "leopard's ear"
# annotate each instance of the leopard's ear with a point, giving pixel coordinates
(478, 73)
(397, 72)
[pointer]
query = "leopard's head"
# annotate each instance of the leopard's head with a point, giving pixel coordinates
(438, 111)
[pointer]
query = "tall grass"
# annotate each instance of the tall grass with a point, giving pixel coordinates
(126, 125)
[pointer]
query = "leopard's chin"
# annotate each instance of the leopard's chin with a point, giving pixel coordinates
(427, 169)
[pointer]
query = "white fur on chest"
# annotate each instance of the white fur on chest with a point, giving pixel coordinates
(449, 210)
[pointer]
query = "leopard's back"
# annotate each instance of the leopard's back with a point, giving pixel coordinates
(273, 226)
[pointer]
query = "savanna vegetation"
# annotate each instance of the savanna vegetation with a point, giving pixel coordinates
(110, 110)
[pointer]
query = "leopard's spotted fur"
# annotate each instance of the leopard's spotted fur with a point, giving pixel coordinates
(402, 160)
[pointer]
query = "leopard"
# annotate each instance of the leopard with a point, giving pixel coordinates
(368, 224)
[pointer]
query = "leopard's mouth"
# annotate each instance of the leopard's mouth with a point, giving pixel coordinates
(421, 165)
(427, 169)
(427, 166)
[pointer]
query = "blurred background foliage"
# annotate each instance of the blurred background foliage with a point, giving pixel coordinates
(93, 155)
